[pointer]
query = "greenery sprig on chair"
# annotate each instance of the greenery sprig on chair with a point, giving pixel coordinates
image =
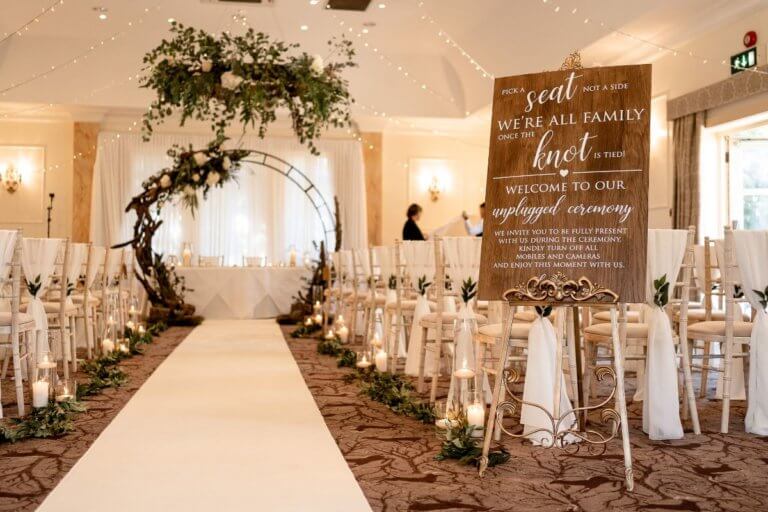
(468, 290)
(661, 295)
(763, 296)
(422, 285)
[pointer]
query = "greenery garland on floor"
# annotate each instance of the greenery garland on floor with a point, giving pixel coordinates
(57, 418)
(394, 391)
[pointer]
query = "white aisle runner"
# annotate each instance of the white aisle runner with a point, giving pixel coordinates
(226, 423)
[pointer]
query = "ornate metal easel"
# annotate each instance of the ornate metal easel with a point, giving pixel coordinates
(557, 290)
(560, 291)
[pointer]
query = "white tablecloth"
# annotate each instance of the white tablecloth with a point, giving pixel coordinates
(242, 292)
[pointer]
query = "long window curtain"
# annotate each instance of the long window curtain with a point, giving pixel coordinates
(687, 145)
(262, 213)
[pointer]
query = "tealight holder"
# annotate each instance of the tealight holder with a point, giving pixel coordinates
(364, 359)
(475, 413)
(448, 412)
(65, 390)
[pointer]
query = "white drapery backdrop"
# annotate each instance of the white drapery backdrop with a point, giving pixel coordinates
(261, 214)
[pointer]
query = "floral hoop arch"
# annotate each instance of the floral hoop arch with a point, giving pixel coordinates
(222, 80)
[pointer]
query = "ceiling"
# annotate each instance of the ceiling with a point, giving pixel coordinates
(442, 88)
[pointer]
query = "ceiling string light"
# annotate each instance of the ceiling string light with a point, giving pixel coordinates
(401, 70)
(659, 47)
(25, 27)
(450, 41)
(83, 55)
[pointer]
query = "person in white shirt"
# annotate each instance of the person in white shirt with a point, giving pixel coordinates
(476, 229)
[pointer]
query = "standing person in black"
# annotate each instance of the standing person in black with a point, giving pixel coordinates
(411, 230)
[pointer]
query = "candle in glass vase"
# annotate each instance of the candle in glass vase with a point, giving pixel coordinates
(308, 321)
(363, 362)
(124, 347)
(130, 325)
(476, 418)
(141, 329)
(40, 390)
(343, 333)
(381, 361)
(318, 319)
(64, 391)
(330, 335)
(463, 372)
(107, 345)
(292, 257)
(376, 341)
(186, 256)
(46, 361)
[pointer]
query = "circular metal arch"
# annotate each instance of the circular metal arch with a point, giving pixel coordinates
(324, 212)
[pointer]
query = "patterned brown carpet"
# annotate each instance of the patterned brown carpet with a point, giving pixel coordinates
(30, 469)
(393, 459)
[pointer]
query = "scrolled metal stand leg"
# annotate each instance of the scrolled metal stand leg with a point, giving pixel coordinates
(498, 385)
(621, 402)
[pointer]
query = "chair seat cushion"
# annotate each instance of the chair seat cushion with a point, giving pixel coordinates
(24, 318)
(633, 317)
(634, 331)
(380, 300)
(431, 319)
(519, 331)
(78, 298)
(408, 304)
(698, 315)
(527, 315)
(53, 307)
(717, 328)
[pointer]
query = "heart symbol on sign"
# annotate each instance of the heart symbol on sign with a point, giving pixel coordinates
(564, 172)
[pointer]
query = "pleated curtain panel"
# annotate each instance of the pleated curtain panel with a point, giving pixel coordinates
(262, 213)
(687, 145)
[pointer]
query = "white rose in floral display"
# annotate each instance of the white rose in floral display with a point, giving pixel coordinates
(196, 177)
(206, 65)
(317, 65)
(200, 158)
(226, 163)
(165, 181)
(230, 81)
(169, 59)
(247, 58)
(213, 178)
(189, 190)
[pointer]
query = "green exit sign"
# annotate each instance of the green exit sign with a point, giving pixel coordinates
(744, 60)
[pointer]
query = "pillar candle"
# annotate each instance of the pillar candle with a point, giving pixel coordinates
(343, 333)
(476, 418)
(381, 361)
(40, 393)
(107, 345)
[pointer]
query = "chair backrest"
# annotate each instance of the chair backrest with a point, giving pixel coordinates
(78, 256)
(462, 258)
(254, 261)
(96, 257)
(38, 262)
(210, 261)
(419, 259)
(10, 271)
(112, 266)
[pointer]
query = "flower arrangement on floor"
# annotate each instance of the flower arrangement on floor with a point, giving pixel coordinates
(462, 444)
(222, 80)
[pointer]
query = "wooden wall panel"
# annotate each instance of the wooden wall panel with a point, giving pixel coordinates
(84, 158)
(372, 158)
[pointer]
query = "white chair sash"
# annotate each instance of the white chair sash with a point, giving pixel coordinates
(752, 254)
(540, 384)
(38, 260)
(77, 257)
(419, 264)
(92, 269)
(661, 408)
(112, 263)
(7, 245)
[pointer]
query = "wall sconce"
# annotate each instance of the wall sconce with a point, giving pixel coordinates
(11, 179)
(434, 189)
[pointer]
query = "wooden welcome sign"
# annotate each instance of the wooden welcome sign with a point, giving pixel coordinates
(567, 189)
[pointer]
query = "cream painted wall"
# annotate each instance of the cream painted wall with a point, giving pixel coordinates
(464, 170)
(56, 137)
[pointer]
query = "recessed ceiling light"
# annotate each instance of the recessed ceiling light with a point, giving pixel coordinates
(304, 28)
(382, 6)
(314, 2)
